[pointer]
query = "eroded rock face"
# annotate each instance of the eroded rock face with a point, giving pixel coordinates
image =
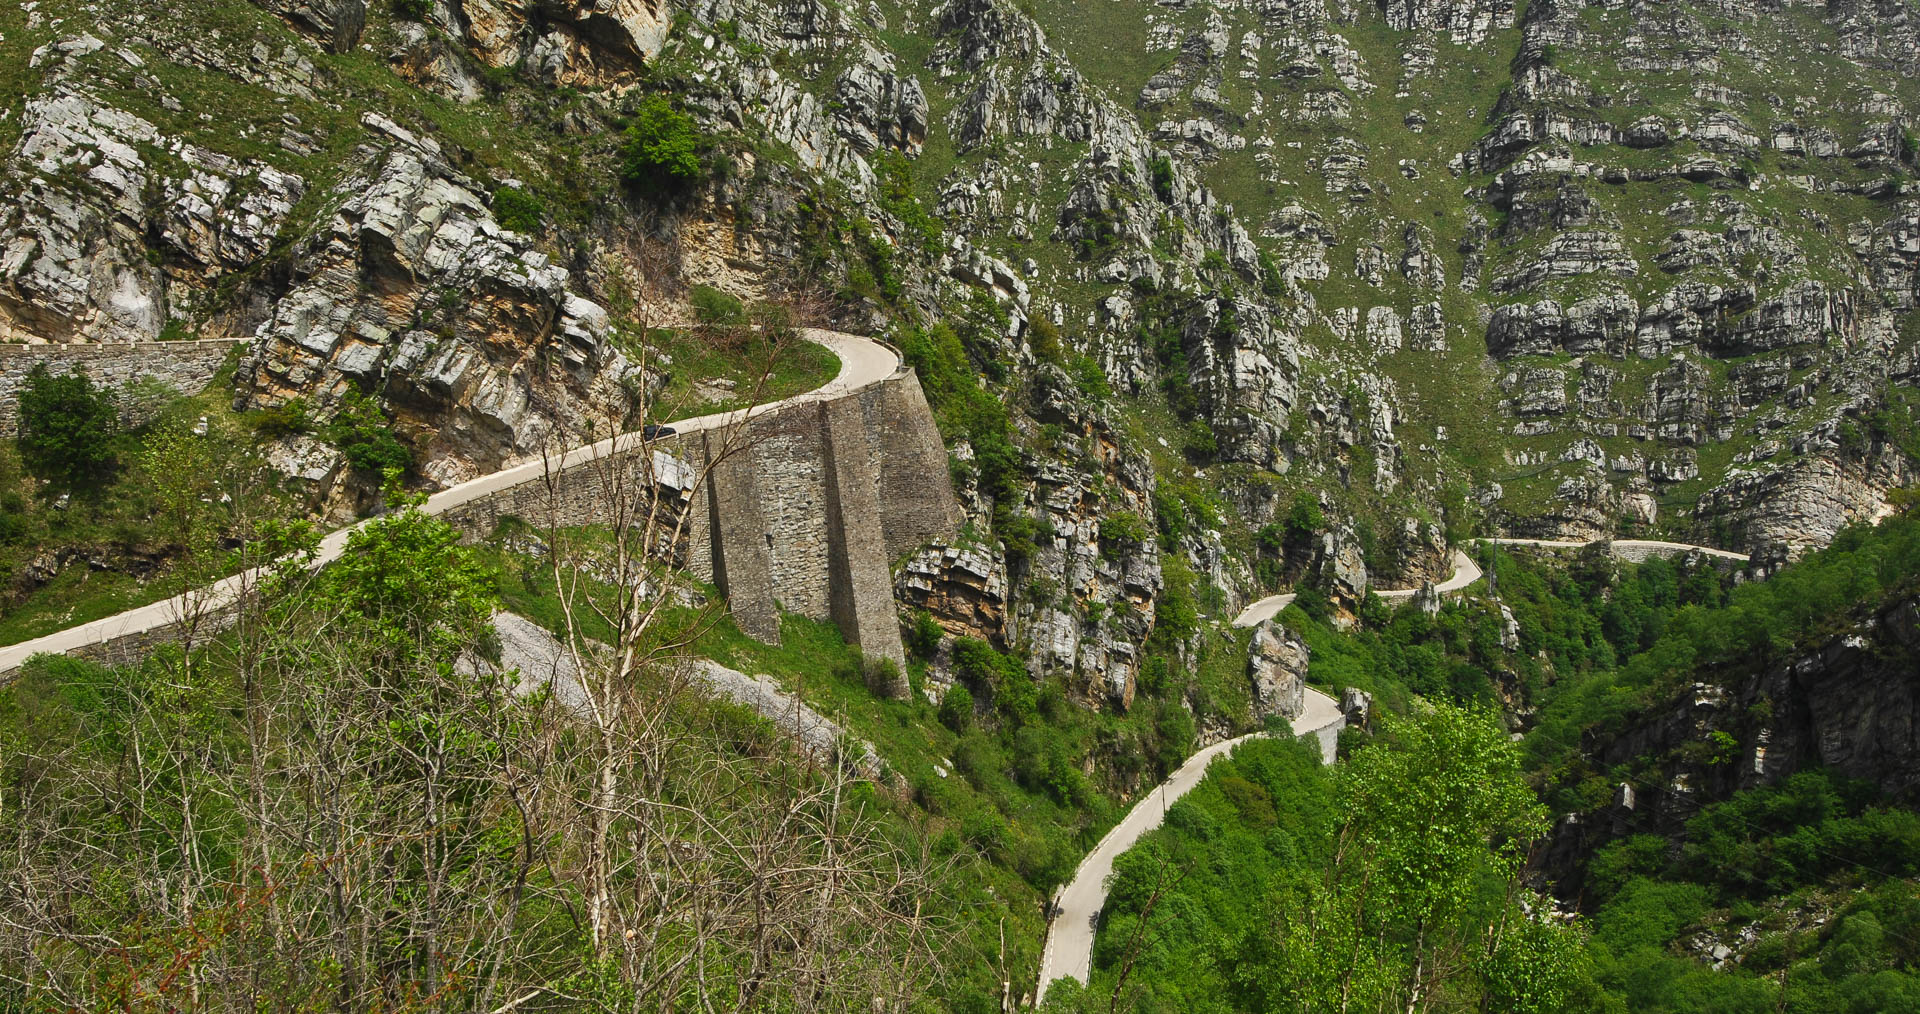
(335, 24)
(102, 241)
(1804, 503)
(1850, 705)
(414, 293)
(1413, 554)
(1464, 22)
(964, 589)
(1243, 366)
(1340, 570)
(571, 43)
(1097, 577)
(1277, 668)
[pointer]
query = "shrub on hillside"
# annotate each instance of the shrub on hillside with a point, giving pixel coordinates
(956, 709)
(518, 210)
(715, 308)
(67, 430)
(663, 148)
(361, 433)
(923, 636)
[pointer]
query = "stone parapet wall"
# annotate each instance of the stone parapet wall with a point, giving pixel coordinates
(185, 367)
(803, 510)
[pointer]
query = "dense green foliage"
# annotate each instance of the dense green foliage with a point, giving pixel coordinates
(339, 797)
(162, 518)
(1759, 865)
(67, 428)
(896, 194)
(715, 308)
(361, 432)
(1388, 882)
(662, 150)
(1617, 649)
(518, 210)
(1597, 641)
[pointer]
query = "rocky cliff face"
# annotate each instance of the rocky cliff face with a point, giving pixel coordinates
(1552, 269)
(413, 291)
(1851, 705)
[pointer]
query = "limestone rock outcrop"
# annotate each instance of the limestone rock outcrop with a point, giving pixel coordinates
(415, 293)
(114, 229)
(335, 24)
(1277, 669)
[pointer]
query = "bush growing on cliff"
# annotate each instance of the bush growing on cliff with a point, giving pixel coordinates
(664, 149)
(715, 308)
(956, 710)
(923, 636)
(361, 433)
(967, 410)
(897, 197)
(518, 210)
(68, 428)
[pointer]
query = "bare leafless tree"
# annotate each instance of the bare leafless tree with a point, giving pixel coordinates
(338, 803)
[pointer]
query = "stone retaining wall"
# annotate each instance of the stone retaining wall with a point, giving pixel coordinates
(803, 509)
(185, 367)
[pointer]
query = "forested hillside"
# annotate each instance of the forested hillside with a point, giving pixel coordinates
(395, 365)
(1714, 845)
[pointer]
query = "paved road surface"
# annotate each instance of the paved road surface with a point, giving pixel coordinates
(862, 362)
(1465, 572)
(1069, 948)
(1630, 549)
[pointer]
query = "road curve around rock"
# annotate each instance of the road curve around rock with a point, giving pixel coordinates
(1465, 572)
(1627, 548)
(1069, 948)
(863, 361)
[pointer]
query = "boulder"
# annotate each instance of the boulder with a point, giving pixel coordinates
(1277, 669)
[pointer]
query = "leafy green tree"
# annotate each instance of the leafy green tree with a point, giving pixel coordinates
(360, 431)
(407, 578)
(663, 148)
(518, 210)
(1420, 902)
(67, 432)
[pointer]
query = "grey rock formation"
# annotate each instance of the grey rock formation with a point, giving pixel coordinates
(1340, 570)
(1357, 706)
(1277, 668)
(470, 337)
(1243, 366)
(114, 229)
(336, 24)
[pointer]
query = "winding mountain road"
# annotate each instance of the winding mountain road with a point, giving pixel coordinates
(1637, 550)
(1465, 572)
(1069, 948)
(863, 361)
